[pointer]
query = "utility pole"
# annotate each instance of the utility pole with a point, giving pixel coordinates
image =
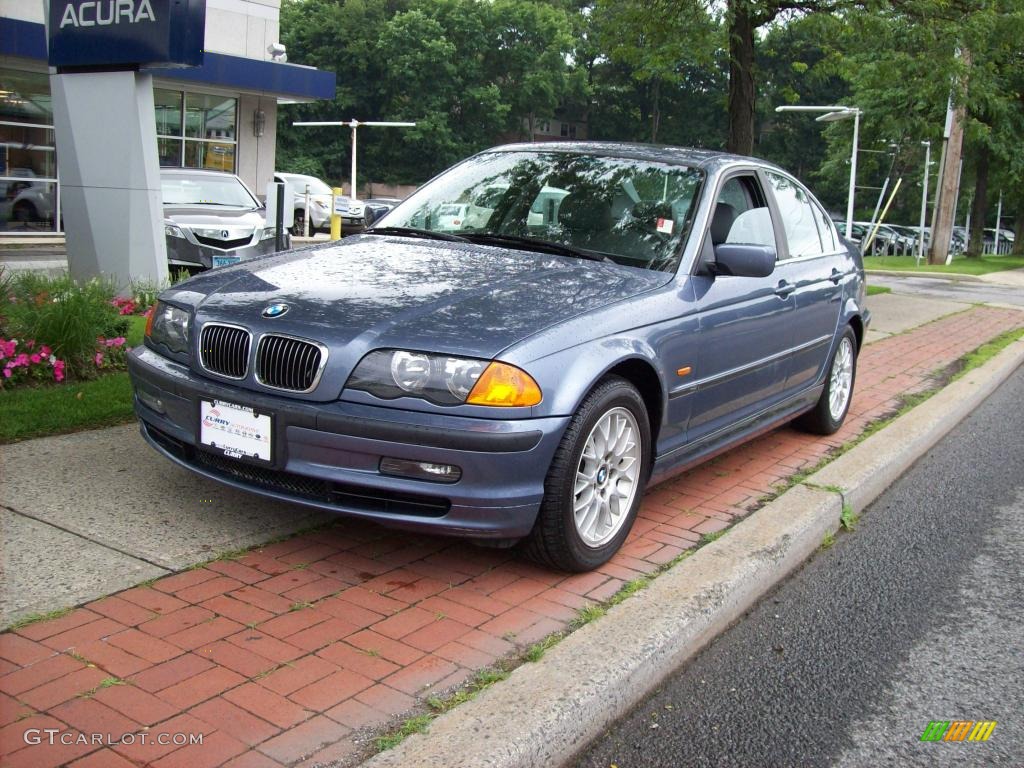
(952, 150)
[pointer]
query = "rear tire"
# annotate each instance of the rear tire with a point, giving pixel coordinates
(830, 411)
(596, 480)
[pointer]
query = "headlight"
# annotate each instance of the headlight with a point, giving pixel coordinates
(443, 380)
(169, 326)
(269, 233)
(172, 230)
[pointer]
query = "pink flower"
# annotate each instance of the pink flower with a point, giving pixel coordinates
(36, 358)
(98, 359)
(45, 351)
(21, 359)
(7, 373)
(118, 342)
(58, 374)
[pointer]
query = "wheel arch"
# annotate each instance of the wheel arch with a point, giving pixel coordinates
(857, 323)
(642, 375)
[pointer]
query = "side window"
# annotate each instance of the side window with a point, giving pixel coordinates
(740, 214)
(826, 229)
(797, 217)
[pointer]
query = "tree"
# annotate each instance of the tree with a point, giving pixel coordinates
(743, 19)
(659, 43)
(903, 65)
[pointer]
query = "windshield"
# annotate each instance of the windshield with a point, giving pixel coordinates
(206, 190)
(635, 212)
(299, 184)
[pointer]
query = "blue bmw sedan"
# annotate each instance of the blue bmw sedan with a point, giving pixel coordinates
(518, 349)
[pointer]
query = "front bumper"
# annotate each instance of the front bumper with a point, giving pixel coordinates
(326, 455)
(182, 252)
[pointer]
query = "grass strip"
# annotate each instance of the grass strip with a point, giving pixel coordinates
(960, 265)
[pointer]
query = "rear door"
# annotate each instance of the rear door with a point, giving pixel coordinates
(811, 264)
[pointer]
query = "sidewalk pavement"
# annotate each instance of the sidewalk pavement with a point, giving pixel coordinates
(292, 653)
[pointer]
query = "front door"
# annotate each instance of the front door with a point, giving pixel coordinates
(745, 322)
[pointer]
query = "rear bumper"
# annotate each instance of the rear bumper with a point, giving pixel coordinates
(327, 455)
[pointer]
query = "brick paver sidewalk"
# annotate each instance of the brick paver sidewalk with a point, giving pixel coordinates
(283, 655)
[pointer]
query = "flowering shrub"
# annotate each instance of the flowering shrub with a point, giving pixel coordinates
(32, 364)
(68, 317)
(125, 306)
(111, 353)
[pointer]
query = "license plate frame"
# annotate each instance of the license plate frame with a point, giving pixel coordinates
(236, 431)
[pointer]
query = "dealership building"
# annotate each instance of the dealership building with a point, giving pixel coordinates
(221, 115)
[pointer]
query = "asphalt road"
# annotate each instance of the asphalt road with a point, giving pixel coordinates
(955, 290)
(915, 616)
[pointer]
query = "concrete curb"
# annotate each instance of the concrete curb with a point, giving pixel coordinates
(864, 472)
(949, 276)
(546, 711)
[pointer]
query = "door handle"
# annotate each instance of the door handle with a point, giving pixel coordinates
(784, 288)
(836, 276)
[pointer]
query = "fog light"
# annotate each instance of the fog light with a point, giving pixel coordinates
(420, 470)
(151, 402)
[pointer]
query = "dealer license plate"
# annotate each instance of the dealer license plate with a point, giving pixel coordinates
(235, 430)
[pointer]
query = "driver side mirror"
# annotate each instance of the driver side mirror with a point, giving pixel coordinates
(743, 260)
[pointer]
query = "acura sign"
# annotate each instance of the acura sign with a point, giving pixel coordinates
(126, 34)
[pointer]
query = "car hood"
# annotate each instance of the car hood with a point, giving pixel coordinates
(386, 292)
(200, 216)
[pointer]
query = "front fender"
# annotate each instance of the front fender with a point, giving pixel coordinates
(567, 376)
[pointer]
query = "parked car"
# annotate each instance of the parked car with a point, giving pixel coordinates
(516, 382)
(211, 219)
(1006, 238)
(353, 219)
(25, 200)
(378, 207)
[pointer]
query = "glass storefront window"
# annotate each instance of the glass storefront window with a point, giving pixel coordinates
(209, 117)
(28, 155)
(207, 124)
(168, 112)
(210, 155)
(27, 205)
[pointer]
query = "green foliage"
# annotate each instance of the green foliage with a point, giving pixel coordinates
(69, 407)
(848, 518)
(62, 314)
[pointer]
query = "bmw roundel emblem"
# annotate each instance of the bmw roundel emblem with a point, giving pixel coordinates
(275, 310)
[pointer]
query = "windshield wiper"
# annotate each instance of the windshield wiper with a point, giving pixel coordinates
(426, 234)
(535, 244)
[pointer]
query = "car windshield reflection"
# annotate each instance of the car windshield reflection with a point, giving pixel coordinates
(637, 213)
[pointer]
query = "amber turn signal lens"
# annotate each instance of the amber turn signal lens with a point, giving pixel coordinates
(149, 320)
(504, 385)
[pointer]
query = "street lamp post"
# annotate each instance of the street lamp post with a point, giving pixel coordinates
(832, 113)
(924, 199)
(354, 124)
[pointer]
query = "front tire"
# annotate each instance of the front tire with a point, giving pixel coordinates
(830, 411)
(595, 483)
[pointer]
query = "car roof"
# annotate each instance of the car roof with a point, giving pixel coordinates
(704, 159)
